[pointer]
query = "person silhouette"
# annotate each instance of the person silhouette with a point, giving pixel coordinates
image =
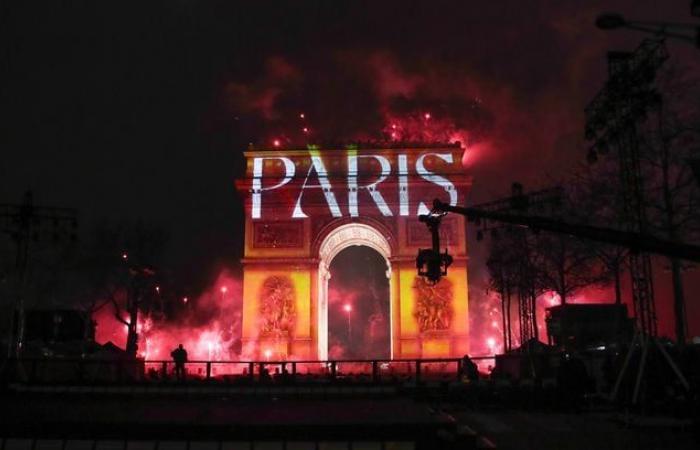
(470, 370)
(179, 356)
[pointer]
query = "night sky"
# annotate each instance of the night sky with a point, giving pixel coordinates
(142, 112)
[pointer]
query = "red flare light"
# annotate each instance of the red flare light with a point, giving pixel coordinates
(491, 343)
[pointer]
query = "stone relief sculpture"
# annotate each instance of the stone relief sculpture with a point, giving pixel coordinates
(277, 307)
(433, 308)
(278, 235)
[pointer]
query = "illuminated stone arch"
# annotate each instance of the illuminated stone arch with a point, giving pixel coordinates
(280, 242)
(337, 240)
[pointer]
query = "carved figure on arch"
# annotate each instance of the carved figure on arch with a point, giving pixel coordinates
(277, 306)
(433, 308)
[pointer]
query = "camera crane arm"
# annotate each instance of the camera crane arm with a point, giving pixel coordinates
(634, 241)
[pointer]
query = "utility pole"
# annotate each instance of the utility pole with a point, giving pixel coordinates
(26, 223)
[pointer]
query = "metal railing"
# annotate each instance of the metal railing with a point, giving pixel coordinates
(59, 370)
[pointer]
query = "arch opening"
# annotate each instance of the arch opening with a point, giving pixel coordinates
(366, 238)
(358, 305)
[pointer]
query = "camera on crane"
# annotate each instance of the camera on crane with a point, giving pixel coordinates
(432, 264)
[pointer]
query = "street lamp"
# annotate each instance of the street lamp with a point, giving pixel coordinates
(614, 21)
(348, 310)
(223, 289)
(160, 300)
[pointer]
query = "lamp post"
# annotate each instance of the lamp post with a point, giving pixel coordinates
(348, 310)
(224, 289)
(614, 21)
(160, 301)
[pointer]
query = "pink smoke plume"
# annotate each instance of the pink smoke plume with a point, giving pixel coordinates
(486, 317)
(208, 326)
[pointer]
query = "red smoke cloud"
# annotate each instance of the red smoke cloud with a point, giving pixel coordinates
(260, 97)
(486, 320)
(209, 326)
(512, 91)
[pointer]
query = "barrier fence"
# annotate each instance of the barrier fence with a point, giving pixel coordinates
(43, 370)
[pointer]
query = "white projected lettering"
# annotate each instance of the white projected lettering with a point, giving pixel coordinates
(257, 180)
(403, 185)
(353, 187)
(323, 183)
(353, 183)
(437, 179)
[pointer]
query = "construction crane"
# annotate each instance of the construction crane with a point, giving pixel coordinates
(433, 264)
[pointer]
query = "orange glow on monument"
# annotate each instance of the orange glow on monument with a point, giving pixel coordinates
(304, 206)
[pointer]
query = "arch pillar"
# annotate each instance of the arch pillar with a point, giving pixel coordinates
(323, 277)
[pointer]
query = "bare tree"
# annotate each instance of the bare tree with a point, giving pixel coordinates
(122, 272)
(503, 275)
(565, 265)
(598, 201)
(513, 272)
(668, 140)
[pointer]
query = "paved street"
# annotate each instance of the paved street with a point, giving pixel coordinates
(523, 430)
